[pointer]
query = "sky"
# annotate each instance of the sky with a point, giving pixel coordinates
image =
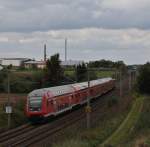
(95, 29)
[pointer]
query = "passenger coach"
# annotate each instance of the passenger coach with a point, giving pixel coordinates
(52, 101)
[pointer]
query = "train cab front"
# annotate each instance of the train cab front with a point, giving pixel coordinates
(34, 108)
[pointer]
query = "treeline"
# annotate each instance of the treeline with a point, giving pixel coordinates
(143, 79)
(52, 75)
(106, 64)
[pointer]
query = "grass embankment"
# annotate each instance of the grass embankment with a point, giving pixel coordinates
(127, 126)
(102, 74)
(114, 115)
(140, 135)
(99, 74)
(17, 117)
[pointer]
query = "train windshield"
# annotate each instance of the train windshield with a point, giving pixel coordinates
(35, 103)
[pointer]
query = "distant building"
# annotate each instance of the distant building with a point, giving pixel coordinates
(71, 63)
(37, 64)
(1, 67)
(13, 61)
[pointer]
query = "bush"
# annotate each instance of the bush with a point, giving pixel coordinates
(3, 75)
(73, 143)
(17, 117)
(113, 101)
(143, 80)
(20, 83)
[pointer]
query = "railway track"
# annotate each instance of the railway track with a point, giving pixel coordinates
(28, 135)
(38, 133)
(15, 132)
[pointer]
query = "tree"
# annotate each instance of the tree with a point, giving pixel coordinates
(81, 73)
(53, 71)
(143, 80)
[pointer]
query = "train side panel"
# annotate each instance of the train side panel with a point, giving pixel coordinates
(58, 104)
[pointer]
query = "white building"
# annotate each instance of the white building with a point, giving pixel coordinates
(38, 64)
(1, 67)
(71, 63)
(13, 61)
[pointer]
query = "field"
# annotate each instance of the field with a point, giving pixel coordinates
(18, 117)
(99, 74)
(125, 128)
(113, 116)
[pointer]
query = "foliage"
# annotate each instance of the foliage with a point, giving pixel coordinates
(17, 117)
(102, 63)
(53, 72)
(106, 64)
(106, 123)
(18, 113)
(140, 134)
(73, 143)
(113, 101)
(21, 83)
(126, 127)
(3, 75)
(81, 73)
(143, 80)
(102, 74)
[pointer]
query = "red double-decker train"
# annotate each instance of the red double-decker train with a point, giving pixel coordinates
(42, 103)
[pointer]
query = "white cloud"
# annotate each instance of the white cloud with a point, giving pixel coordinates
(83, 44)
(37, 15)
(95, 29)
(3, 39)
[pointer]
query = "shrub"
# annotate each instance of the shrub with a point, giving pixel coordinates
(143, 80)
(113, 101)
(73, 143)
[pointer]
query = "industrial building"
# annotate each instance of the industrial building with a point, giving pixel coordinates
(16, 62)
(71, 63)
(37, 64)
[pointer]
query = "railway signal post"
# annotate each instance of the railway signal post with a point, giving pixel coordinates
(8, 107)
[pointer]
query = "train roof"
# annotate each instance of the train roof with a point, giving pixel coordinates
(60, 90)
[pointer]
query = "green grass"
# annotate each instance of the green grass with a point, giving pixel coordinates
(69, 72)
(99, 74)
(73, 143)
(141, 131)
(94, 136)
(17, 117)
(102, 74)
(105, 125)
(126, 127)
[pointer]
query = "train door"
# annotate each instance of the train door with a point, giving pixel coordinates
(70, 100)
(50, 106)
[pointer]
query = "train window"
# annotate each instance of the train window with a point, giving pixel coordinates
(35, 103)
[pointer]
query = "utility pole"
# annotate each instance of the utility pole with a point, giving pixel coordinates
(66, 49)
(130, 80)
(8, 108)
(120, 83)
(45, 52)
(76, 76)
(88, 108)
